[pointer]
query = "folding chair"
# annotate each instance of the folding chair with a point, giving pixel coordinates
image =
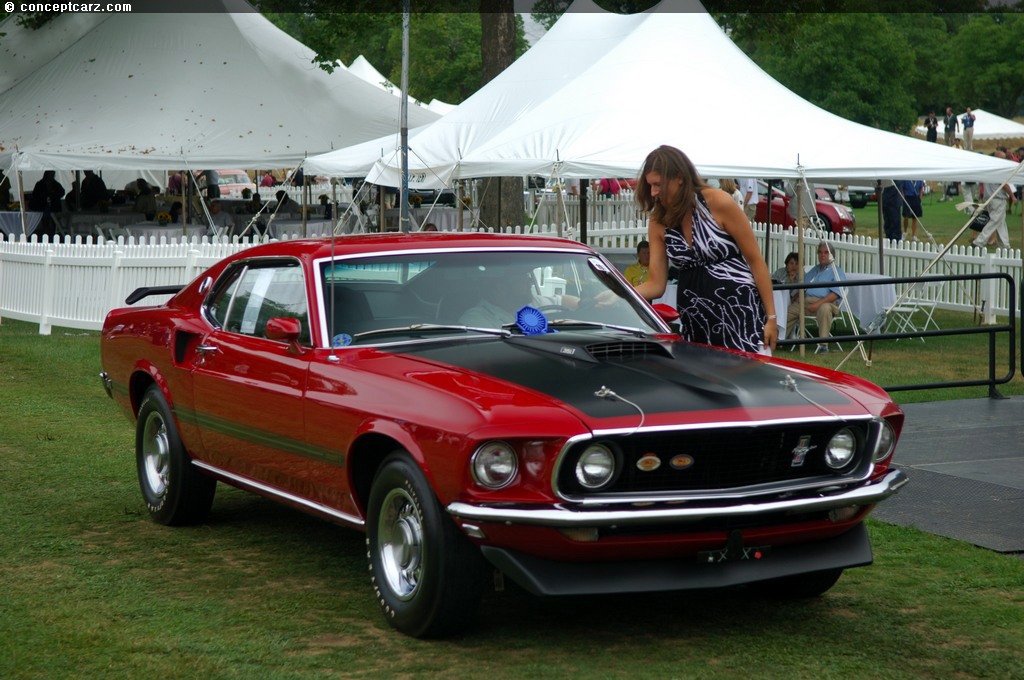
(920, 302)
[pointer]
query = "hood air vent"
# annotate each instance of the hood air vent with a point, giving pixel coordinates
(628, 350)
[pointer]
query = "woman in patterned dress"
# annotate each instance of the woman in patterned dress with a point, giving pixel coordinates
(725, 289)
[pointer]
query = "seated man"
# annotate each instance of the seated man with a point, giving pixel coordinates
(501, 298)
(222, 222)
(821, 302)
(636, 273)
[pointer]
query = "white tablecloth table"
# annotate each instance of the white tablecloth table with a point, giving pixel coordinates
(867, 302)
(10, 222)
(154, 231)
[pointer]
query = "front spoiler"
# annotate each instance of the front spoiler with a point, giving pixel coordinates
(563, 516)
(547, 577)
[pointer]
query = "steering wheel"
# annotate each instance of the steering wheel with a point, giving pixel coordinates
(554, 308)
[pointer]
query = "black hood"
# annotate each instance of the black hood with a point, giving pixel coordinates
(657, 376)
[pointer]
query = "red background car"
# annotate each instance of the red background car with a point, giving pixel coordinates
(834, 217)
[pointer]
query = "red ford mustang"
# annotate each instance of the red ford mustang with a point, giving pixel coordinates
(483, 407)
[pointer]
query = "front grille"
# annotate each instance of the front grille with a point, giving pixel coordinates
(691, 461)
(612, 351)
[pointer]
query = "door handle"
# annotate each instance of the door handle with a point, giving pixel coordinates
(203, 349)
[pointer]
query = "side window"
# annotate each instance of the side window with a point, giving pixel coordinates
(217, 307)
(259, 294)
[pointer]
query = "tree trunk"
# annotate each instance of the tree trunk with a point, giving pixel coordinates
(501, 201)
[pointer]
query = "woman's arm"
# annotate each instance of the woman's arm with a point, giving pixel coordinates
(729, 216)
(657, 270)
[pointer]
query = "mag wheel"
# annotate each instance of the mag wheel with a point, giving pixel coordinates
(427, 578)
(174, 491)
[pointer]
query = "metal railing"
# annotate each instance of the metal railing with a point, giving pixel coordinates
(876, 330)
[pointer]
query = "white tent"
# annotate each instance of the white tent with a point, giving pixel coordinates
(221, 88)
(986, 126)
(601, 90)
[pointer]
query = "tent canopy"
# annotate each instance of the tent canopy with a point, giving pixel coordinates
(986, 126)
(222, 88)
(591, 99)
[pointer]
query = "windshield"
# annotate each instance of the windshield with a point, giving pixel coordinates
(394, 298)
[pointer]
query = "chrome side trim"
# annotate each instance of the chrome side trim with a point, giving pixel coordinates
(563, 516)
(107, 384)
(277, 493)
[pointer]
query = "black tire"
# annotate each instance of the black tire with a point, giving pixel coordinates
(802, 586)
(426, 576)
(858, 202)
(175, 492)
(826, 223)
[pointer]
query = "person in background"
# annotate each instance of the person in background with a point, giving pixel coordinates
(891, 203)
(174, 184)
(748, 187)
(212, 183)
(94, 191)
(730, 187)
(45, 198)
(931, 126)
(724, 293)
(968, 122)
(913, 190)
(821, 302)
(175, 212)
(145, 202)
(1002, 196)
(429, 226)
(952, 126)
(222, 222)
(5, 191)
(636, 273)
(285, 205)
(789, 272)
(267, 180)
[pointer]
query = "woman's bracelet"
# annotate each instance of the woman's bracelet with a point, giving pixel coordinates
(772, 316)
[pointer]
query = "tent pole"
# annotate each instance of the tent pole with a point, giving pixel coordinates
(403, 196)
(21, 202)
(881, 232)
(584, 185)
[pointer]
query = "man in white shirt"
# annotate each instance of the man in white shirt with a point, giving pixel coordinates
(221, 221)
(1004, 194)
(748, 187)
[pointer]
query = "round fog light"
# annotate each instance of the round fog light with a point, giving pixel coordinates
(841, 449)
(596, 467)
(495, 465)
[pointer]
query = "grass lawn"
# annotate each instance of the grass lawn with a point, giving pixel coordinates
(91, 588)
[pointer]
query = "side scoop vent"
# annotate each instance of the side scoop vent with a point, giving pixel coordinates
(627, 351)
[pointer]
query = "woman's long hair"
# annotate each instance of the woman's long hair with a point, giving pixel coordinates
(670, 163)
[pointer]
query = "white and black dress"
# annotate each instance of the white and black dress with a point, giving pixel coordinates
(717, 300)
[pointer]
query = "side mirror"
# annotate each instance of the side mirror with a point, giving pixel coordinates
(285, 330)
(667, 313)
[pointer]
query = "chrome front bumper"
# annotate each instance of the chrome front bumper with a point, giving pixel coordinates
(563, 516)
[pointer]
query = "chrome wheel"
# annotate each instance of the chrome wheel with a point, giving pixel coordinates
(156, 454)
(400, 542)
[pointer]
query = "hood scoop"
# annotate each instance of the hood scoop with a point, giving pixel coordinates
(626, 350)
(581, 347)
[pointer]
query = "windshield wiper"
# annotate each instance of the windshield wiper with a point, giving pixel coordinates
(597, 324)
(433, 327)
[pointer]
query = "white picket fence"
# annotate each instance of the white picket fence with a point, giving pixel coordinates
(74, 282)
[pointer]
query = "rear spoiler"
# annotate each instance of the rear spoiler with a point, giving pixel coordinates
(146, 291)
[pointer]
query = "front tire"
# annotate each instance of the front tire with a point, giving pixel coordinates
(175, 492)
(426, 576)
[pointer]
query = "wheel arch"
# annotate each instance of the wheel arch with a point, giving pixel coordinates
(365, 456)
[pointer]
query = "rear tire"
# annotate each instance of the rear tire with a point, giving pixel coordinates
(427, 577)
(175, 492)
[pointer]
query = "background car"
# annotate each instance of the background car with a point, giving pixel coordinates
(834, 217)
(232, 183)
(492, 407)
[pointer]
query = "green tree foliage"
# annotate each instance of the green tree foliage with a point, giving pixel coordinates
(854, 65)
(988, 69)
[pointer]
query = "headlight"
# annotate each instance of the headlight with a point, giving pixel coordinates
(596, 467)
(841, 449)
(495, 465)
(885, 443)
